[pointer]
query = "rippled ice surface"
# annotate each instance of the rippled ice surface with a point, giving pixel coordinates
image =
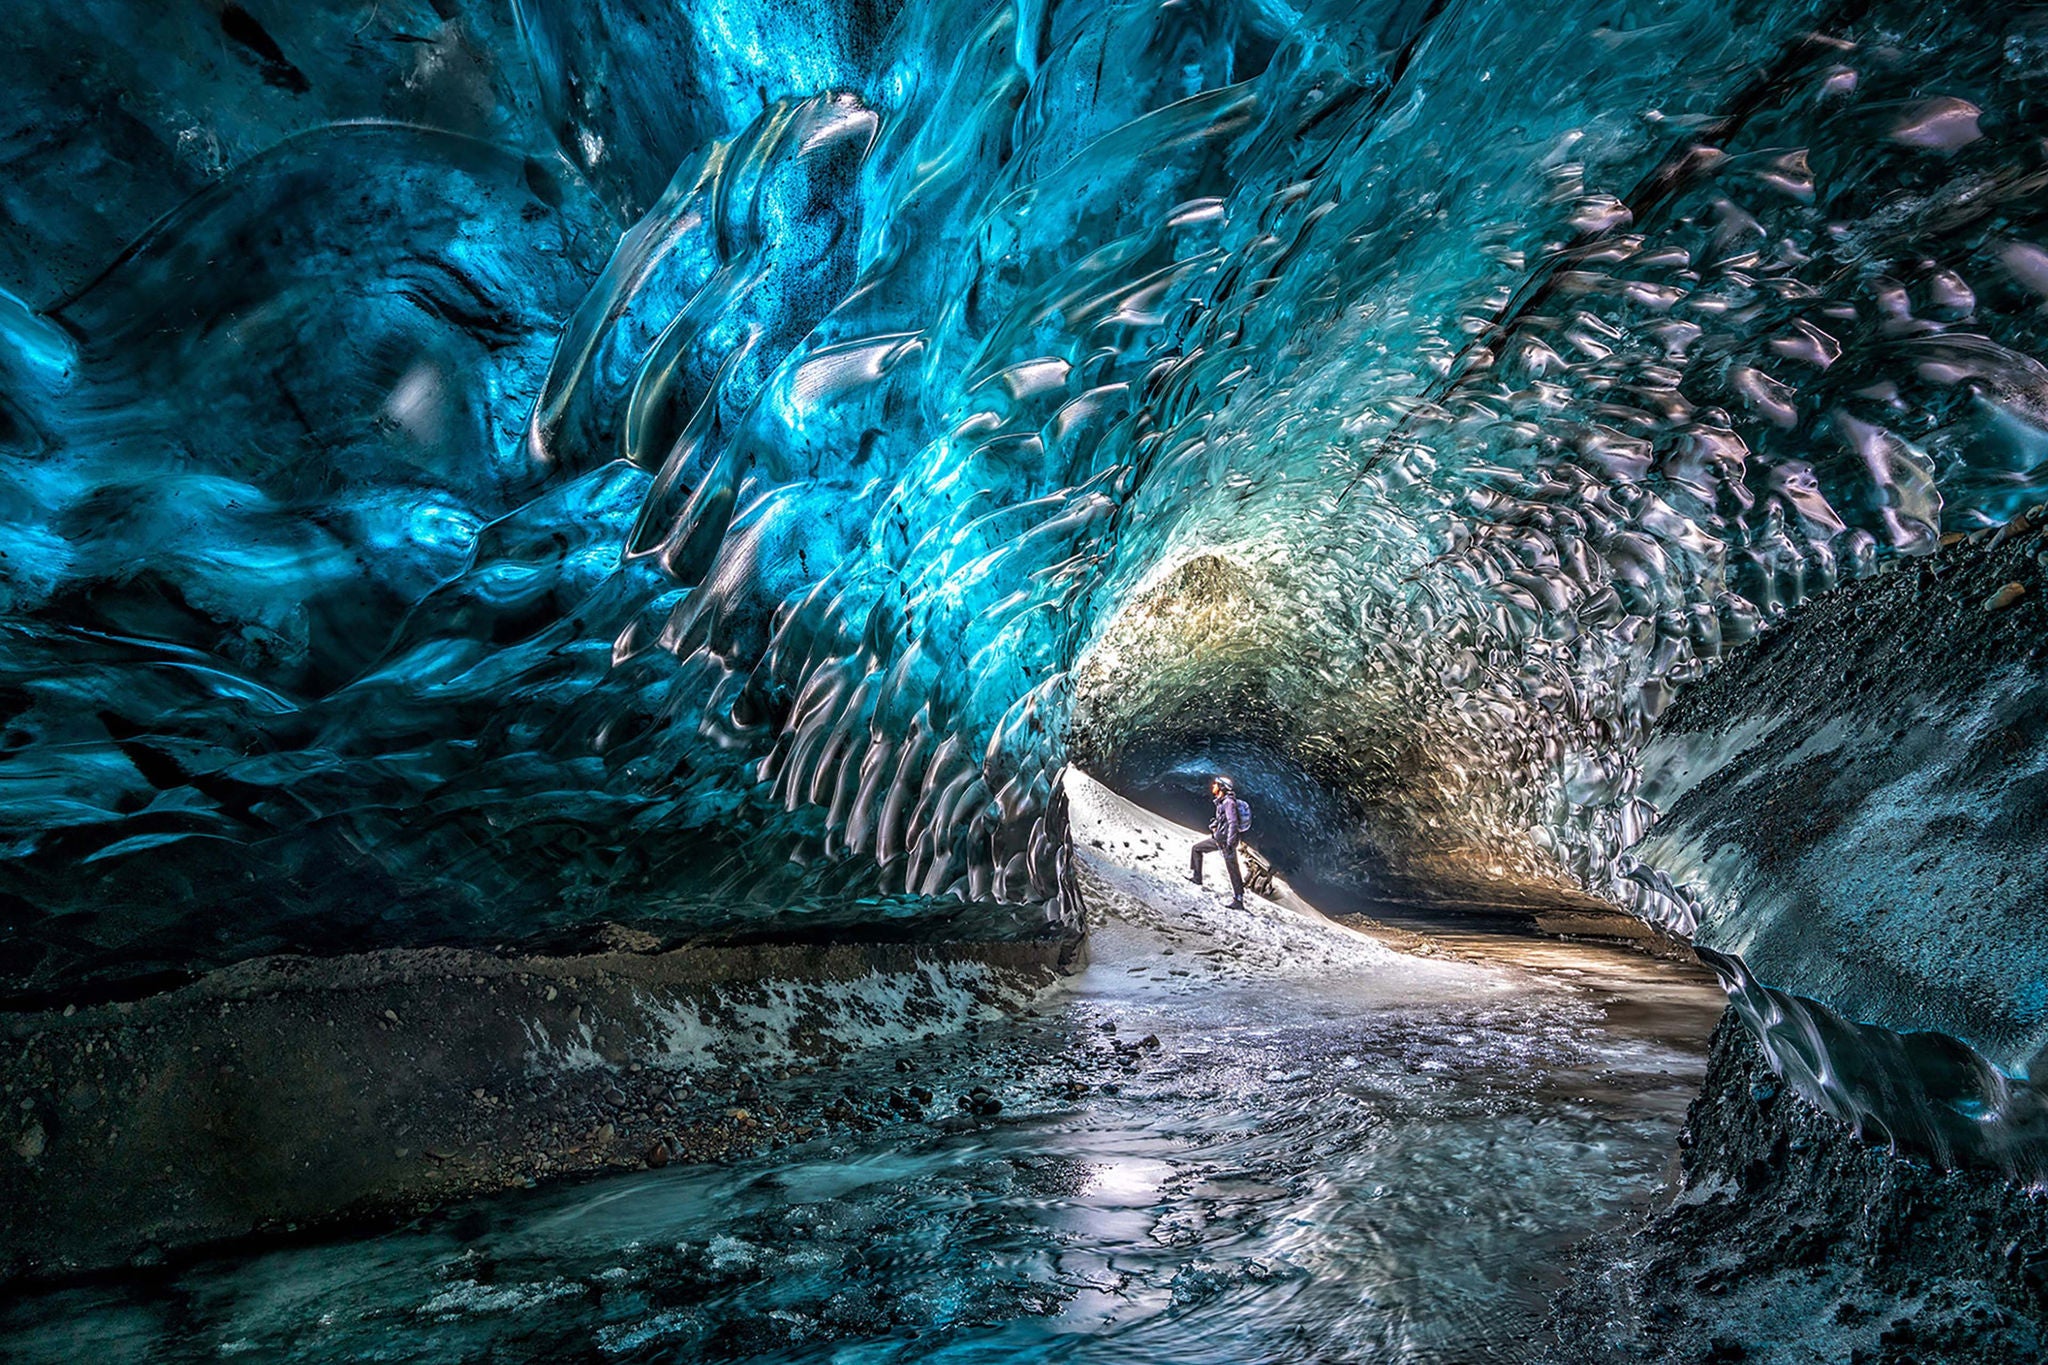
(1335, 1152)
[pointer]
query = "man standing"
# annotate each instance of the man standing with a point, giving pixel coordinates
(1224, 830)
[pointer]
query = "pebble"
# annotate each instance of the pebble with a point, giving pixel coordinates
(2005, 597)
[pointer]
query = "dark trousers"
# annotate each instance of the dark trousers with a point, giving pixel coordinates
(1229, 852)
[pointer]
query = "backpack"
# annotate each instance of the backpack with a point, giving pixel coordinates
(1244, 816)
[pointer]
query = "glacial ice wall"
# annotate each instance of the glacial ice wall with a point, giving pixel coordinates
(479, 470)
(1851, 825)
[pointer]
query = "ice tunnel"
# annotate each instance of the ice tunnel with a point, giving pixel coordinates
(454, 492)
(489, 474)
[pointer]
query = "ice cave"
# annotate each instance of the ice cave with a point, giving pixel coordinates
(617, 618)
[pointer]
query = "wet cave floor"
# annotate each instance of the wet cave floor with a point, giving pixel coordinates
(1235, 1136)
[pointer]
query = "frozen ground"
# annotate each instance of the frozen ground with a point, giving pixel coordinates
(1235, 1136)
(1143, 912)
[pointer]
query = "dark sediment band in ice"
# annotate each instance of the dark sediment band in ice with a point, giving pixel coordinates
(1852, 834)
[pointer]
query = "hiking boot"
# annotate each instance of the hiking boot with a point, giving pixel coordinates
(1193, 878)
(1237, 905)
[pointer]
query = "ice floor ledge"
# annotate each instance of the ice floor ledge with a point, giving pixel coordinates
(294, 1091)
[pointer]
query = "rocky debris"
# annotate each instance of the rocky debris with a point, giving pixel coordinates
(2020, 525)
(621, 938)
(2005, 597)
(1790, 1239)
(1131, 1056)
(909, 1103)
(980, 1101)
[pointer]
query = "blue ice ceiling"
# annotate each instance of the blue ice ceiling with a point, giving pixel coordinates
(475, 470)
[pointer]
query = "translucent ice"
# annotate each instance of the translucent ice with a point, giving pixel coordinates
(423, 524)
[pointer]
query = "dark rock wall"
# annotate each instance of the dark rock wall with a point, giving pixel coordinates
(1788, 1239)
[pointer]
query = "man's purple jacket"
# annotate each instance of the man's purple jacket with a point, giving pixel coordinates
(1225, 826)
